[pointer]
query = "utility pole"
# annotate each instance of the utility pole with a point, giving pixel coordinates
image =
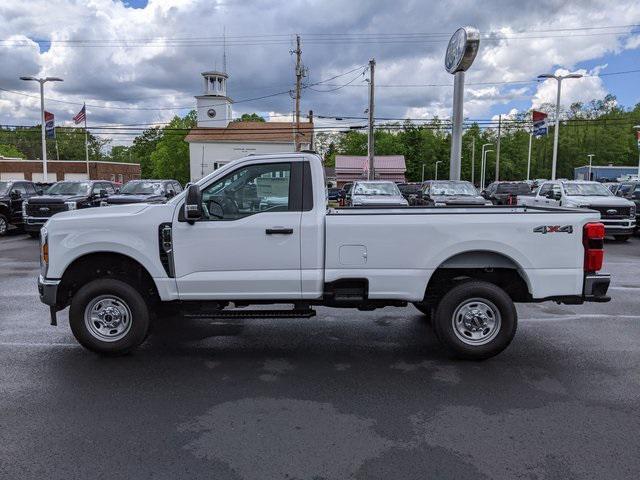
(498, 148)
(529, 155)
(299, 75)
(591, 155)
(473, 158)
(422, 172)
(370, 144)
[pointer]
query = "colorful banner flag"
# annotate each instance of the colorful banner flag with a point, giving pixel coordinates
(49, 125)
(539, 123)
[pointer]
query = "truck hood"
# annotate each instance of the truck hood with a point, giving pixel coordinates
(378, 200)
(598, 201)
(459, 199)
(122, 199)
(101, 212)
(55, 199)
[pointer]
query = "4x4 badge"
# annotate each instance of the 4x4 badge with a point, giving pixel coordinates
(553, 229)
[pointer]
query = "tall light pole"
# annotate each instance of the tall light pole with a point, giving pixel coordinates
(559, 79)
(42, 81)
(591, 155)
(482, 164)
(529, 155)
(371, 137)
(637, 127)
(473, 158)
(439, 161)
(422, 172)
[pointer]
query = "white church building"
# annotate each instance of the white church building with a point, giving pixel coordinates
(217, 139)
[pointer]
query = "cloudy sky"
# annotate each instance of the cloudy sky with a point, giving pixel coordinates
(139, 62)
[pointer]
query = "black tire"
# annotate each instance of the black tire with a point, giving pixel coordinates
(34, 234)
(122, 291)
(622, 238)
(469, 293)
(424, 308)
(4, 225)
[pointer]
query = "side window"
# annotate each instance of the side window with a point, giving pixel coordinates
(20, 188)
(249, 190)
(177, 187)
(96, 188)
(109, 188)
(31, 189)
(544, 189)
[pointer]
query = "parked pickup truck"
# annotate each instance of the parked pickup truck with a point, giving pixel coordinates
(617, 214)
(208, 248)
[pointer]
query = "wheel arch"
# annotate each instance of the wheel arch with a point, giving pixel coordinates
(105, 264)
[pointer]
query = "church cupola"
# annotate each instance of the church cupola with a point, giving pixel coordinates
(214, 107)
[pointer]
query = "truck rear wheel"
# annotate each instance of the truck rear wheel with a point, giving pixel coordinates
(475, 320)
(4, 225)
(109, 316)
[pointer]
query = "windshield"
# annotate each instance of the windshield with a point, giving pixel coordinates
(453, 188)
(69, 188)
(515, 188)
(142, 188)
(4, 187)
(587, 189)
(376, 188)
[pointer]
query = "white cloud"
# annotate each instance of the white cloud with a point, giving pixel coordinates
(572, 90)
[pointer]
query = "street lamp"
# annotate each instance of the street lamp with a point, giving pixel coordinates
(591, 155)
(559, 79)
(439, 161)
(423, 172)
(482, 164)
(637, 127)
(42, 81)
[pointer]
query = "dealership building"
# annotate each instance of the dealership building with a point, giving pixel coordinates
(607, 173)
(57, 170)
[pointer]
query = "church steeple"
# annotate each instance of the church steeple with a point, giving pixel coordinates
(214, 107)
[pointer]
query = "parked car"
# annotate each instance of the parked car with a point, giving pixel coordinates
(631, 191)
(506, 193)
(13, 193)
(144, 191)
(61, 197)
(376, 192)
(335, 194)
(617, 214)
(115, 268)
(442, 193)
(410, 191)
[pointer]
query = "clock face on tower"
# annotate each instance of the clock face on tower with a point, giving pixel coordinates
(211, 113)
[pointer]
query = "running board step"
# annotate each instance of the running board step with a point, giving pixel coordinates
(241, 313)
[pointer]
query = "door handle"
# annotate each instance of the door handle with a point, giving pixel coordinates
(279, 231)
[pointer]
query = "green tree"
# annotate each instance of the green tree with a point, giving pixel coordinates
(249, 117)
(10, 151)
(170, 158)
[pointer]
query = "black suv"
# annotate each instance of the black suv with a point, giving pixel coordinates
(145, 191)
(506, 193)
(12, 194)
(631, 191)
(64, 196)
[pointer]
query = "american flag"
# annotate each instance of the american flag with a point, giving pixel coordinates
(81, 115)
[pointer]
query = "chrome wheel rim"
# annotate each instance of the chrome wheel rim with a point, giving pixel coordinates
(476, 321)
(3, 226)
(107, 318)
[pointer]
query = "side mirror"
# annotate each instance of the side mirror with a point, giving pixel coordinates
(193, 204)
(171, 194)
(103, 193)
(16, 195)
(557, 195)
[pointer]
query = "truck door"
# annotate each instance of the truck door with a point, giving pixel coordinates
(247, 245)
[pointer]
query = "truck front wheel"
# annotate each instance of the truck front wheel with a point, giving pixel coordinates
(475, 320)
(109, 316)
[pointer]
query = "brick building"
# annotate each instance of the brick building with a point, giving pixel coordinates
(354, 167)
(17, 169)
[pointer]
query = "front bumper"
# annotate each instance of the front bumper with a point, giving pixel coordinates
(34, 224)
(619, 227)
(595, 287)
(48, 290)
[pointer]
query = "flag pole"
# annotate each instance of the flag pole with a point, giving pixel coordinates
(86, 141)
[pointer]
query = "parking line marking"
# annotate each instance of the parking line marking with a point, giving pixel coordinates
(579, 317)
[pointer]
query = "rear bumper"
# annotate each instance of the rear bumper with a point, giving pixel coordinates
(595, 287)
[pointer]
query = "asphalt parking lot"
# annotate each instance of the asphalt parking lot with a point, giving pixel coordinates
(346, 394)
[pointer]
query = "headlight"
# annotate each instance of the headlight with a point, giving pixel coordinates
(24, 209)
(71, 205)
(44, 251)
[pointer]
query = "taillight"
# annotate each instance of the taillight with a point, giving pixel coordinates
(593, 241)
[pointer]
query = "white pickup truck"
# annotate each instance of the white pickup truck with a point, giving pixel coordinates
(258, 231)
